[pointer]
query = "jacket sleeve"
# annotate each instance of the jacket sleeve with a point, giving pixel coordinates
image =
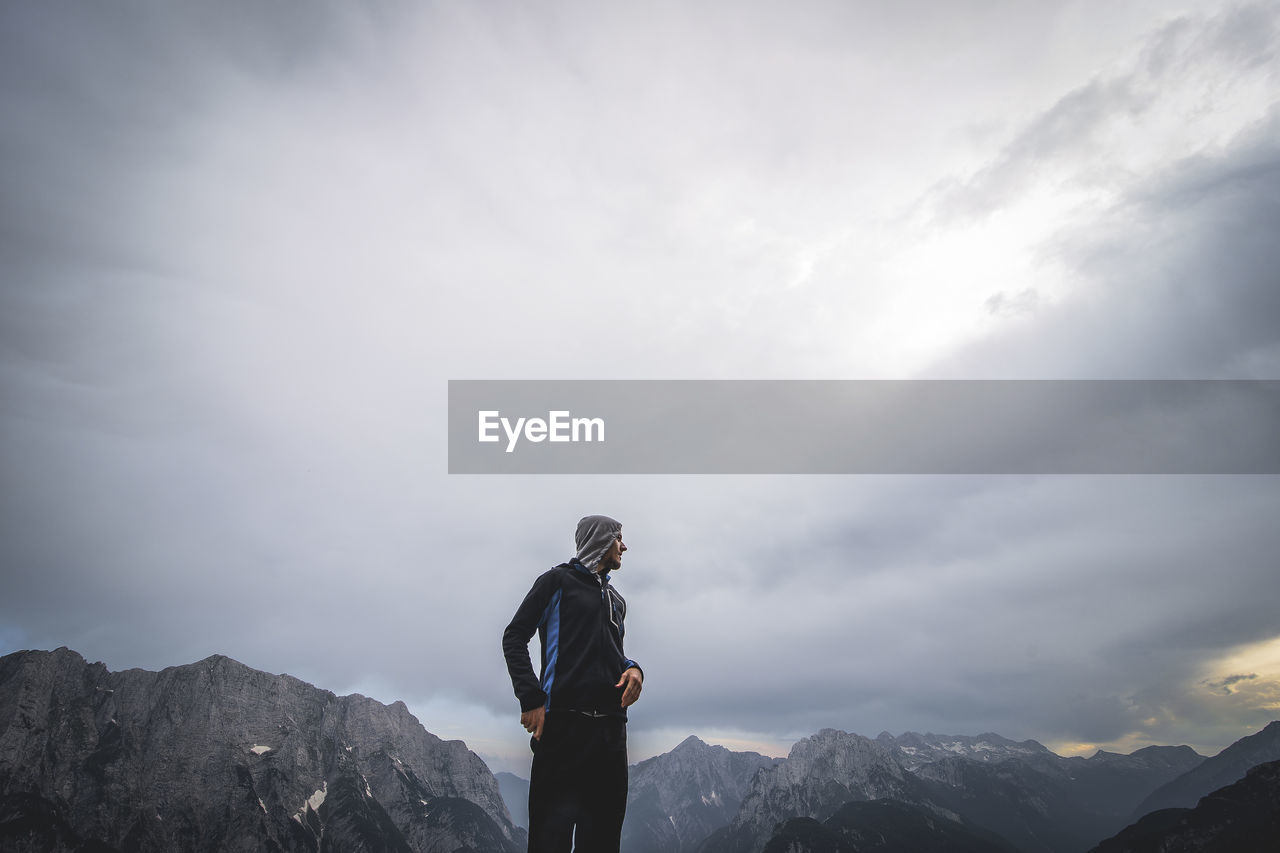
(515, 641)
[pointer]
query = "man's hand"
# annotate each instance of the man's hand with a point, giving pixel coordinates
(534, 720)
(631, 681)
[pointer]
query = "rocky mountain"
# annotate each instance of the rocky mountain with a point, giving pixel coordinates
(680, 797)
(215, 756)
(883, 826)
(1226, 767)
(818, 776)
(1054, 804)
(1107, 782)
(1243, 817)
(915, 750)
(1034, 799)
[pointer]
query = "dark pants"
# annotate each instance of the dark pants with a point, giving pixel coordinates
(578, 781)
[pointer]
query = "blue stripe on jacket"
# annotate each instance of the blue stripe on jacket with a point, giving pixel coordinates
(551, 649)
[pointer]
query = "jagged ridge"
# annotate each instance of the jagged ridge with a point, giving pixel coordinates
(678, 798)
(1031, 797)
(217, 756)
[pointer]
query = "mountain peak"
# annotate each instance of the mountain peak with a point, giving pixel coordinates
(270, 747)
(216, 660)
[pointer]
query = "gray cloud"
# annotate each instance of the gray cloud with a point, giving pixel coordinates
(1180, 280)
(1220, 49)
(243, 249)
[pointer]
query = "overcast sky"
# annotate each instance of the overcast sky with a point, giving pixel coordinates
(243, 247)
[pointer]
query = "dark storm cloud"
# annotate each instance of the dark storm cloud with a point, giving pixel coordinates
(966, 604)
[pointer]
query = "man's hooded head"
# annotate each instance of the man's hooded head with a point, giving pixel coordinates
(594, 536)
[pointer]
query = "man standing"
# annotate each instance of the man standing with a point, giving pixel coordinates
(577, 710)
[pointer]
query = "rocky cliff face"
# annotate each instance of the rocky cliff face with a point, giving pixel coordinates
(819, 775)
(217, 756)
(679, 798)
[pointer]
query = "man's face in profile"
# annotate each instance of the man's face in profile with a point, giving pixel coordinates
(612, 559)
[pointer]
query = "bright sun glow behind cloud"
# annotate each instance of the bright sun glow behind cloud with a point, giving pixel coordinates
(1236, 686)
(1251, 673)
(980, 250)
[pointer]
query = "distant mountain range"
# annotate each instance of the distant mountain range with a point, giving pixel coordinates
(215, 756)
(844, 793)
(838, 792)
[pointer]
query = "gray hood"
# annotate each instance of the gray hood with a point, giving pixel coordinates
(594, 536)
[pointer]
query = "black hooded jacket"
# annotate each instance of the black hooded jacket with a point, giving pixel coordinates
(578, 617)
